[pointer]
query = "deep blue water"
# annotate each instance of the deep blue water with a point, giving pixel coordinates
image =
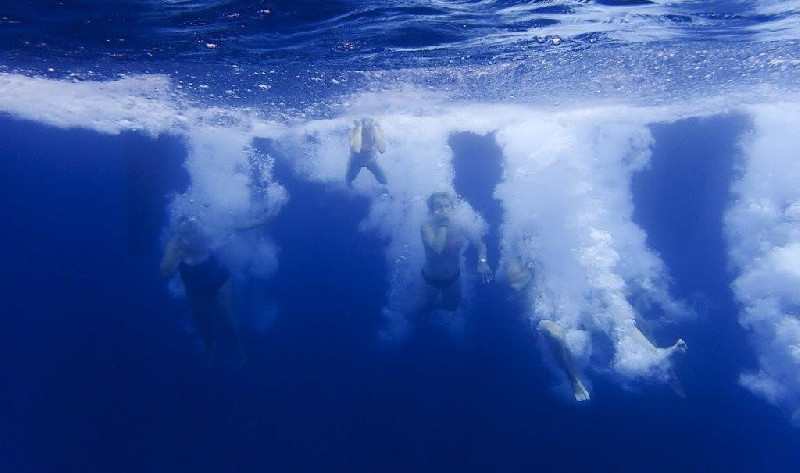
(102, 372)
(100, 376)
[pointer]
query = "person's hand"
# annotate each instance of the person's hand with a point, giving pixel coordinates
(440, 219)
(484, 271)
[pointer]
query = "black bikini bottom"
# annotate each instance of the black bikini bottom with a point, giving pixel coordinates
(441, 284)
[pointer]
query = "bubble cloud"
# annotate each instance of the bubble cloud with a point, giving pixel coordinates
(763, 228)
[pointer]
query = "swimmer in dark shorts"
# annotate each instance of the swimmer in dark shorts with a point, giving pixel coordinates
(444, 240)
(207, 283)
(366, 141)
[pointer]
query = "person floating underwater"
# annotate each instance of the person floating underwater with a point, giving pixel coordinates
(444, 240)
(207, 283)
(520, 276)
(555, 336)
(366, 141)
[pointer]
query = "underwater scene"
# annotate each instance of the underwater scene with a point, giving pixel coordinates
(400, 236)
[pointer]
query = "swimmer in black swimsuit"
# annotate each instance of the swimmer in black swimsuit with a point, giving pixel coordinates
(444, 240)
(366, 141)
(207, 284)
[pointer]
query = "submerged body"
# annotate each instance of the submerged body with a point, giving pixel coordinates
(444, 241)
(208, 287)
(366, 141)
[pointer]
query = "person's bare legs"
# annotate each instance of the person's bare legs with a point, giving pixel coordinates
(227, 321)
(672, 353)
(450, 296)
(352, 173)
(556, 337)
(377, 171)
(675, 351)
(202, 310)
(433, 298)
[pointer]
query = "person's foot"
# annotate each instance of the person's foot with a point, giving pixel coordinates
(580, 391)
(678, 349)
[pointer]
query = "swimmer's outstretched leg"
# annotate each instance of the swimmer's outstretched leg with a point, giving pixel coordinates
(450, 297)
(430, 300)
(676, 350)
(202, 309)
(377, 171)
(352, 173)
(554, 334)
(679, 348)
(228, 321)
(675, 384)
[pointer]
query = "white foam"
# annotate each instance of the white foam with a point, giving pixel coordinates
(141, 103)
(568, 208)
(764, 246)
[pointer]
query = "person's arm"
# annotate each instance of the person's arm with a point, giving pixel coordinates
(483, 269)
(263, 220)
(380, 141)
(172, 258)
(355, 137)
(434, 238)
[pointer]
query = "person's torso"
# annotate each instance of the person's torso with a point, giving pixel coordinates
(204, 277)
(446, 263)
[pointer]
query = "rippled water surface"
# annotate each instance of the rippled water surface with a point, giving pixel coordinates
(495, 50)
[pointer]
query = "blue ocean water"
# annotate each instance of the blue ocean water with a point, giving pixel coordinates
(590, 136)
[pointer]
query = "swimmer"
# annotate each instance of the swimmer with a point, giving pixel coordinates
(520, 276)
(444, 240)
(366, 141)
(555, 337)
(207, 283)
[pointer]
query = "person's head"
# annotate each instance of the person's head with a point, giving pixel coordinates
(191, 235)
(441, 205)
